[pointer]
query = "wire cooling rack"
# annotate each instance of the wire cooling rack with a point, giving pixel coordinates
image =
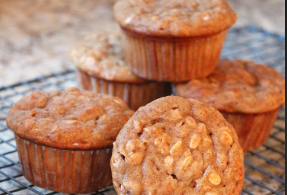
(265, 168)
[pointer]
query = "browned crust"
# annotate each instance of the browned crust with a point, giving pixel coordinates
(101, 55)
(238, 86)
(122, 80)
(71, 119)
(151, 36)
(160, 143)
(60, 147)
(167, 18)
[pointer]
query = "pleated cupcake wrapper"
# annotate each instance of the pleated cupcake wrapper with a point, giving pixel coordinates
(172, 59)
(134, 94)
(67, 171)
(253, 129)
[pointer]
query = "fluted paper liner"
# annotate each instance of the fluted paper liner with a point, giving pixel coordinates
(67, 171)
(134, 94)
(253, 129)
(172, 59)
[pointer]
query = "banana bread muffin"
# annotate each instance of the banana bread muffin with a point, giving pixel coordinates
(102, 68)
(173, 40)
(176, 146)
(249, 95)
(64, 139)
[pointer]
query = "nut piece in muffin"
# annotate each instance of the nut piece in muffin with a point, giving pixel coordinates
(173, 40)
(248, 94)
(177, 146)
(64, 139)
(102, 68)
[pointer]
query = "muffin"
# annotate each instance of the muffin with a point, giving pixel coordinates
(249, 95)
(173, 40)
(177, 146)
(64, 139)
(102, 68)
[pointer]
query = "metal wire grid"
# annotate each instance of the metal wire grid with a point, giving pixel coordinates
(265, 168)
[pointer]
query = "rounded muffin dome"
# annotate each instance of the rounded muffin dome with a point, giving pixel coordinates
(179, 18)
(71, 119)
(238, 86)
(102, 55)
(177, 146)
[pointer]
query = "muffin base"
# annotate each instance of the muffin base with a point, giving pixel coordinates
(66, 171)
(253, 129)
(172, 59)
(134, 94)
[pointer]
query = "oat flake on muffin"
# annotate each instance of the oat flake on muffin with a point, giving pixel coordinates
(249, 96)
(239, 86)
(64, 139)
(71, 119)
(101, 55)
(180, 18)
(102, 68)
(177, 146)
(173, 40)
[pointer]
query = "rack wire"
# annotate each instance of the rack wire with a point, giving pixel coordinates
(265, 168)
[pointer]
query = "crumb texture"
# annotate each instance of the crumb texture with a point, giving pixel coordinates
(180, 18)
(238, 86)
(102, 55)
(71, 119)
(177, 146)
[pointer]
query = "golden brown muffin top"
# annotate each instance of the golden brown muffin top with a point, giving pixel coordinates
(239, 86)
(71, 119)
(179, 18)
(177, 146)
(102, 55)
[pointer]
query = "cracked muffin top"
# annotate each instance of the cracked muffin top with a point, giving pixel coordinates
(238, 86)
(102, 55)
(177, 146)
(71, 119)
(179, 18)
